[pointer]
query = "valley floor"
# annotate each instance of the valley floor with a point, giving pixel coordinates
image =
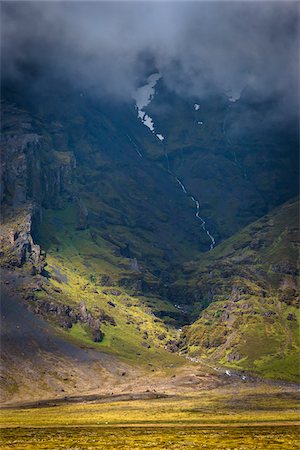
(167, 438)
(258, 415)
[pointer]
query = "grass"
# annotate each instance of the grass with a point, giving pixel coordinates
(81, 263)
(240, 417)
(167, 438)
(236, 404)
(253, 321)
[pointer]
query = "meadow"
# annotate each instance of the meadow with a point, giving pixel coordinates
(164, 438)
(246, 417)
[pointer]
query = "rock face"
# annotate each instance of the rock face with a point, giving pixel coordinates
(31, 169)
(15, 167)
(66, 316)
(33, 175)
(16, 244)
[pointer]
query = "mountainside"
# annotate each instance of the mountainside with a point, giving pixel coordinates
(231, 154)
(107, 230)
(250, 284)
(238, 162)
(149, 245)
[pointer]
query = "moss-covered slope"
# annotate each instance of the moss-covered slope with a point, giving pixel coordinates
(250, 284)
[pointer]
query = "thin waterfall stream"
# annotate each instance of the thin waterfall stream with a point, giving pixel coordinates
(143, 97)
(196, 202)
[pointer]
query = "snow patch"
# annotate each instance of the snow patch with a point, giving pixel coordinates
(148, 122)
(144, 94)
(143, 97)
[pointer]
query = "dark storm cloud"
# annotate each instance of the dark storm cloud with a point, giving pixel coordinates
(108, 47)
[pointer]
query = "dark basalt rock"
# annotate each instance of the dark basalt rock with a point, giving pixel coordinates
(111, 304)
(145, 344)
(161, 337)
(66, 316)
(268, 314)
(16, 242)
(286, 267)
(113, 292)
(31, 169)
(172, 346)
(97, 335)
(33, 175)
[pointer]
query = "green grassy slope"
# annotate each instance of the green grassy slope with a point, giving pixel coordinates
(250, 284)
(84, 269)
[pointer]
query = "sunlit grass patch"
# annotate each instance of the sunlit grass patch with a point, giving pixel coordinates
(168, 438)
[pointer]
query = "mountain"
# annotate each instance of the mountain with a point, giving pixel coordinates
(235, 157)
(107, 231)
(247, 288)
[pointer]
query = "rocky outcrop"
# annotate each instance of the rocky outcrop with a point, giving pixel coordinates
(285, 267)
(33, 175)
(66, 316)
(56, 179)
(31, 170)
(15, 167)
(17, 247)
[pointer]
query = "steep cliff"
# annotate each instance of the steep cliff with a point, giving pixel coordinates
(17, 247)
(33, 176)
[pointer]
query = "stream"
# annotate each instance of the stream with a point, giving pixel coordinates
(143, 97)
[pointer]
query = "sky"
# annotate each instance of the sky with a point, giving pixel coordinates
(109, 48)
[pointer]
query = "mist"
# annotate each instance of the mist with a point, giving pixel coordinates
(109, 48)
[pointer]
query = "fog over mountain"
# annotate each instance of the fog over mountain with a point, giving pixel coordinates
(109, 48)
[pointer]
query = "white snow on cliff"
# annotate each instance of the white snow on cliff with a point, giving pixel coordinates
(143, 97)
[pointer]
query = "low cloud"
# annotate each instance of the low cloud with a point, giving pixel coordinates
(108, 48)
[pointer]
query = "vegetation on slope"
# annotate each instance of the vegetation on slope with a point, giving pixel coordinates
(117, 228)
(83, 271)
(250, 285)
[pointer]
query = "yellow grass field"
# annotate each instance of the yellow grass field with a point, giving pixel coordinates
(250, 417)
